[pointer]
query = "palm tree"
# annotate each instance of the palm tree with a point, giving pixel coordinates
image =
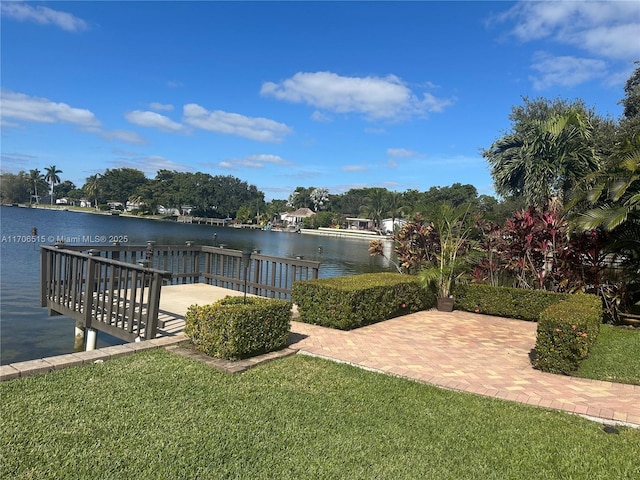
(544, 160)
(375, 205)
(52, 177)
(35, 177)
(617, 191)
(92, 187)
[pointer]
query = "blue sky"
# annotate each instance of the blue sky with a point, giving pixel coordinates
(340, 95)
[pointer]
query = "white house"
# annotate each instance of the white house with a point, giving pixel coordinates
(359, 223)
(390, 225)
(162, 210)
(294, 218)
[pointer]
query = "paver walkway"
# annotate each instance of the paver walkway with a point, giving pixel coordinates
(473, 353)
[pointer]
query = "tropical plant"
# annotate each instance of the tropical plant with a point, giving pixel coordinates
(52, 177)
(453, 227)
(615, 200)
(415, 245)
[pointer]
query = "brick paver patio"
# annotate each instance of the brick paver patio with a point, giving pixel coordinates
(473, 353)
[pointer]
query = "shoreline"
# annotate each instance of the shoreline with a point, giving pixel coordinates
(323, 232)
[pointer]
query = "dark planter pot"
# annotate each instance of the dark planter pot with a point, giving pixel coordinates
(445, 304)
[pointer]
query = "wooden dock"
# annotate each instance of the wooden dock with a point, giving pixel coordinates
(175, 300)
(141, 292)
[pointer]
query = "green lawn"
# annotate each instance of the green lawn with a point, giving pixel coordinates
(155, 415)
(615, 357)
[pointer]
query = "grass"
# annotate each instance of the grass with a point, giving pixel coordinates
(614, 357)
(161, 416)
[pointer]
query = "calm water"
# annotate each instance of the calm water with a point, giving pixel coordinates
(27, 332)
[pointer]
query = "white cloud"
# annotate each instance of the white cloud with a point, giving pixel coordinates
(19, 106)
(268, 158)
(153, 120)
(565, 71)
(161, 107)
(319, 116)
(402, 153)
(125, 136)
(374, 97)
(607, 29)
(254, 128)
(354, 168)
(151, 164)
(23, 12)
(254, 161)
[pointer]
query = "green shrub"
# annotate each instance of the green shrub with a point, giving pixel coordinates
(566, 331)
(504, 301)
(354, 301)
(232, 329)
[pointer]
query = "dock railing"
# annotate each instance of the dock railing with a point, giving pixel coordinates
(123, 296)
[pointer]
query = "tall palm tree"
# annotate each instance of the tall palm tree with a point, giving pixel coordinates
(52, 177)
(92, 187)
(544, 160)
(35, 177)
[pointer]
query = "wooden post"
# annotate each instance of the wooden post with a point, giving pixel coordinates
(153, 306)
(90, 289)
(44, 276)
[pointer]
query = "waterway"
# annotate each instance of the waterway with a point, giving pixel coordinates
(27, 332)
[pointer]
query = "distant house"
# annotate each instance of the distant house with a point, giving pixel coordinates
(131, 206)
(162, 210)
(115, 205)
(62, 201)
(389, 225)
(85, 203)
(296, 217)
(359, 223)
(186, 209)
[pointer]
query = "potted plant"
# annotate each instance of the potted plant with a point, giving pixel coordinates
(453, 229)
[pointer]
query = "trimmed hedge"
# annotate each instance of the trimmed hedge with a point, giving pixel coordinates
(231, 329)
(354, 301)
(566, 332)
(504, 301)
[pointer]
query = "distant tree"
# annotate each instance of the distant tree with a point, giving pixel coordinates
(52, 177)
(14, 188)
(244, 214)
(35, 179)
(375, 205)
(319, 197)
(92, 187)
(119, 184)
(63, 188)
(301, 198)
(631, 101)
